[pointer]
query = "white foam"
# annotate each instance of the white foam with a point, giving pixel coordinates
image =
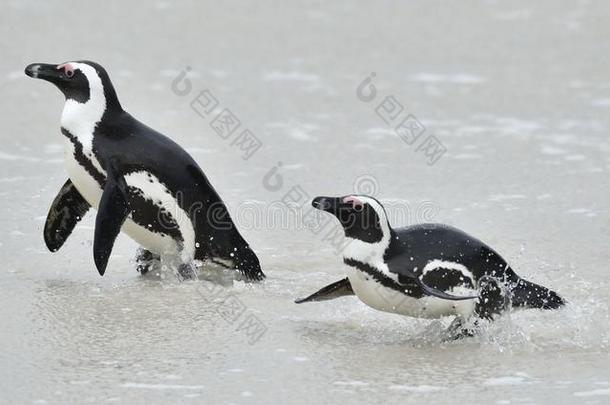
(296, 130)
(520, 126)
(300, 135)
(163, 5)
(156, 87)
(416, 388)
(467, 156)
(376, 134)
(508, 380)
(522, 14)
(504, 197)
(459, 78)
(428, 77)
(593, 393)
(53, 148)
(352, 383)
(601, 102)
(294, 75)
(162, 386)
(16, 179)
(552, 150)
(364, 146)
(80, 382)
(579, 211)
(466, 79)
(8, 156)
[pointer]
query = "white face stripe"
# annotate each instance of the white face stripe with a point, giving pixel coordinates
(81, 118)
(371, 253)
(437, 264)
(373, 203)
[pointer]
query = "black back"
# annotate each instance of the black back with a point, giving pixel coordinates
(426, 242)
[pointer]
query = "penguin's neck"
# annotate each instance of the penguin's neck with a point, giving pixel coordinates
(372, 254)
(81, 119)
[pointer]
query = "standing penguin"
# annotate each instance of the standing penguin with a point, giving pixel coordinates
(140, 182)
(412, 270)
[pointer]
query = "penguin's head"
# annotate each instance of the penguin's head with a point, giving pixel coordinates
(79, 81)
(362, 217)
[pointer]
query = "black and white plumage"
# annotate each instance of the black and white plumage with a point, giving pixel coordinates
(416, 270)
(140, 181)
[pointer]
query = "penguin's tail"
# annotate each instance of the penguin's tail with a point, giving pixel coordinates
(526, 294)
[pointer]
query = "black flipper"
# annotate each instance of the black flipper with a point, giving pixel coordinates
(111, 215)
(441, 294)
(67, 209)
(400, 265)
(337, 289)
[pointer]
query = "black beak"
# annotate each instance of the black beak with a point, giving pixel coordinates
(328, 204)
(44, 71)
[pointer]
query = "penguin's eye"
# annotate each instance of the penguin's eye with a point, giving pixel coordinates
(358, 207)
(68, 69)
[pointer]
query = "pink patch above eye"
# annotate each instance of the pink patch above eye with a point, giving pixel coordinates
(68, 69)
(356, 203)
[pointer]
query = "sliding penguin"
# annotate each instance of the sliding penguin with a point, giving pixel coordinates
(140, 182)
(416, 270)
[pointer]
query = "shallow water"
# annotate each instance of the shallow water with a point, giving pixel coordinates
(517, 93)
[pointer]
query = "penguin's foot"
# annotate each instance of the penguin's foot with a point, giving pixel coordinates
(146, 261)
(494, 299)
(187, 271)
(460, 329)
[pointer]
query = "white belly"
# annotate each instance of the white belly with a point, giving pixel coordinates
(154, 242)
(386, 299)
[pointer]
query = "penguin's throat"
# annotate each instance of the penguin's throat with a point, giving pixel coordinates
(368, 253)
(81, 118)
